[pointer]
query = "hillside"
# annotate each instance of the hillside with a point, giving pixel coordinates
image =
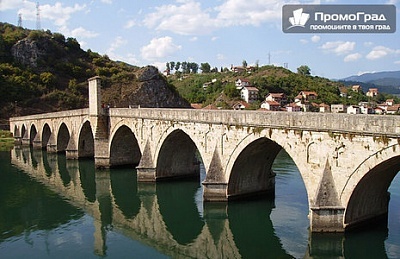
(266, 78)
(387, 81)
(43, 71)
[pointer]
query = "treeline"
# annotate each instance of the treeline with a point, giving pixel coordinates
(191, 67)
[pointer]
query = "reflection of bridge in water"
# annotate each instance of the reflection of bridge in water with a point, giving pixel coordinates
(159, 215)
(156, 215)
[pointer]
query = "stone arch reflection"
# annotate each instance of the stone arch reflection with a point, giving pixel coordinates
(179, 211)
(124, 190)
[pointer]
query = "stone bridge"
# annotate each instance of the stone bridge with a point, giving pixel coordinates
(347, 162)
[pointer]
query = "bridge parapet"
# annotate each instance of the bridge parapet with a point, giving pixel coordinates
(346, 123)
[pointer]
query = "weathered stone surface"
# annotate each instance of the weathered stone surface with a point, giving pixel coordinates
(27, 52)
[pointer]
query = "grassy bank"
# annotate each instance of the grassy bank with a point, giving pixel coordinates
(6, 140)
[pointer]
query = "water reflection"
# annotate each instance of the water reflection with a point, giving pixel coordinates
(164, 216)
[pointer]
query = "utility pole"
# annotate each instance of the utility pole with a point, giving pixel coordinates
(38, 26)
(19, 20)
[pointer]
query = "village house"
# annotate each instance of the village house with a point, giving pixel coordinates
(324, 107)
(390, 102)
(353, 109)
(356, 88)
(249, 94)
(271, 105)
(343, 92)
(338, 108)
(240, 83)
(293, 107)
(241, 105)
(393, 109)
(372, 92)
(280, 98)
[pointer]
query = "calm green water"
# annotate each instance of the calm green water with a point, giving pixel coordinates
(51, 207)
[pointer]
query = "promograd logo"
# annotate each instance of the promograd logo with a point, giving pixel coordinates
(299, 19)
(338, 18)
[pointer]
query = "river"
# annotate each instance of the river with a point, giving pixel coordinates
(51, 207)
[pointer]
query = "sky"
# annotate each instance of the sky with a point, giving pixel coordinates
(221, 33)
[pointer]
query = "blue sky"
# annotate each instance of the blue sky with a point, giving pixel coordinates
(221, 32)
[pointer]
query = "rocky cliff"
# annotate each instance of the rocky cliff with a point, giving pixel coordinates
(147, 89)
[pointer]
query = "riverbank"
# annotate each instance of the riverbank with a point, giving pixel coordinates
(6, 140)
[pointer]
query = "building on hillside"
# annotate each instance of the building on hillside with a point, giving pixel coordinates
(249, 94)
(353, 109)
(394, 109)
(390, 102)
(241, 82)
(240, 69)
(271, 105)
(293, 107)
(323, 107)
(241, 105)
(372, 92)
(196, 105)
(343, 92)
(338, 108)
(356, 88)
(280, 98)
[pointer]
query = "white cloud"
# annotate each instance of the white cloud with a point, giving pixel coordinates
(250, 12)
(130, 24)
(118, 42)
(81, 32)
(352, 57)
(380, 52)
(11, 4)
(187, 18)
(106, 1)
(58, 13)
(220, 57)
(193, 39)
(303, 41)
(397, 62)
(315, 38)
(338, 47)
(159, 48)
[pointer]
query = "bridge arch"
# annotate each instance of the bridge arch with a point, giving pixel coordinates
(177, 156)
(124, 148)
(63, 137)
(46, 133)
(251, 172)
(367, 188)
(86, 141)
(16, 131)
(32, 134)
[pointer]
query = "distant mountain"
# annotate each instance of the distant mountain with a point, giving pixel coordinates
(368, 77)
(386, 82)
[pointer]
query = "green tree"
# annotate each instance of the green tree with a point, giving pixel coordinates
(244, 63)
(304, 70)
(205, 68)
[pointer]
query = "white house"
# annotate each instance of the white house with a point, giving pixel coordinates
(354, 109)
(292, 107)
(280, 98)
(338, 108)
(271, 105)
(249, 94)
(240, 83)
